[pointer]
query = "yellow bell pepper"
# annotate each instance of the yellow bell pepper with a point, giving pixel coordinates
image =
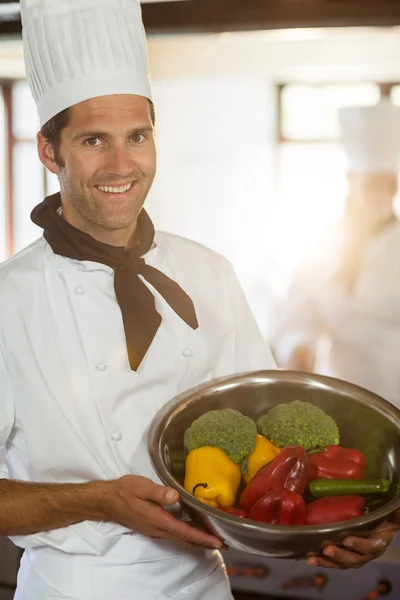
(263, 453)
(212, 477)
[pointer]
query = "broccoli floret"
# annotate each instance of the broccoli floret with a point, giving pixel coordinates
(299, 424)
(226, 429)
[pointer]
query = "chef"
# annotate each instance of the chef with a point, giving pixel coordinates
(350, 291)
(102, 321)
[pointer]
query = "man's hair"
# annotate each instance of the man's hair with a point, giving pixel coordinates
(53, 128)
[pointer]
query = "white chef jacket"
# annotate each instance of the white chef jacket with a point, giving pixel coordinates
(363, 325)
(72, 410)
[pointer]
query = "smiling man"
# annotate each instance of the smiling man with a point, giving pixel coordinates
(102, 321)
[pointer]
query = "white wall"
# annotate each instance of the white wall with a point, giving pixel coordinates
(305, 54)
(215, 162)
(217, 136)
(216, 130)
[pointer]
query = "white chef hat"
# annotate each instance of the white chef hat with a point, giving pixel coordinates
(81, 49)
(371, 137)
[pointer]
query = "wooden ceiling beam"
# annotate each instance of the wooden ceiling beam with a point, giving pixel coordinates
(235, 15)
(10, 28)
(202, 16)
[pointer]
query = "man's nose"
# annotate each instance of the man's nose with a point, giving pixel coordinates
(119, 161)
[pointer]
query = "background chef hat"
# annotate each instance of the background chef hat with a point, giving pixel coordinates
(371, 137)
(80, 49)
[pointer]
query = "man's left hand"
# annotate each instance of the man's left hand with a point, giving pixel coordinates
(359, 551)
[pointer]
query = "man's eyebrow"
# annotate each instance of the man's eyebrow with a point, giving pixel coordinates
(93, 133)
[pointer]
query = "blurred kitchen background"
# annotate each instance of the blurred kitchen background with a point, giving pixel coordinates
(250, 164)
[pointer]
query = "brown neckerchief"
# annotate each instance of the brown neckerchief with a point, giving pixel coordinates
(140, 317)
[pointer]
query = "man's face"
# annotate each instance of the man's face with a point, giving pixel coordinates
(374, 193)
(108, 162)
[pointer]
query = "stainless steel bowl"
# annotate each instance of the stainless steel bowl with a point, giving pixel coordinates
(366, 422)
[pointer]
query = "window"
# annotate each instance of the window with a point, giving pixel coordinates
(27, 181)
(309, 112)
(311, 178)
(3, 213)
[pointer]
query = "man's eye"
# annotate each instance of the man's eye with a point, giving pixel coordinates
(92, 141)
(138, 138)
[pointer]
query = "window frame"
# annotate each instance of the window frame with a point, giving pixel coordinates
(385, 89)
(10, 141)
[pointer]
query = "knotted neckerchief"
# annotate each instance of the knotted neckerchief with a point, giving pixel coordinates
(140, 317)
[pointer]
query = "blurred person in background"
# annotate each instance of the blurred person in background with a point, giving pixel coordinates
(349, 292)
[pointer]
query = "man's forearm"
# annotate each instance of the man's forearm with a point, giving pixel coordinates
(27, 508)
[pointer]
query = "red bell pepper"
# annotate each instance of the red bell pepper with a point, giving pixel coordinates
(346, 453)
(334, 509)
(335, 462)
(289, 469)
(280, 507)
(298, 478)
(237, 512)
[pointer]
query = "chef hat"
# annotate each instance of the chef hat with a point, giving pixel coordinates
(371, 137)
(80, 49)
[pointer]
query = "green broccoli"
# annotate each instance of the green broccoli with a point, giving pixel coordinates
(299, 424)
(226, 429)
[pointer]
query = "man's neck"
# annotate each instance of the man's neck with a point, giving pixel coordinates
(112, 237)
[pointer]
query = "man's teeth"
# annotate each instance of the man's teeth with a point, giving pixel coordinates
(115, 190)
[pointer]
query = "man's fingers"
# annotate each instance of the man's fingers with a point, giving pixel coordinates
(163, 525)
(317, 561)
(157, 493)
(355, 552)
(155, 521)
(147, 490)
(214, 545)
(162, 534)
(333, 557)
(190, 534)
(389, 527)
(345, 558)
(162, 521)
(165, 535)
(374, 547)
(328, 543)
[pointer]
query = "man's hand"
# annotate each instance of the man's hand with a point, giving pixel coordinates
(137, 503)
(360, 551)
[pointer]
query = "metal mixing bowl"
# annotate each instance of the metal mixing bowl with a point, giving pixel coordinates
(366, 422)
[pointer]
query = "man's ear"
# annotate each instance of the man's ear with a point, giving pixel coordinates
(46, 154)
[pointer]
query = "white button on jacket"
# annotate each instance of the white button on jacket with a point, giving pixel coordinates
(56, 414)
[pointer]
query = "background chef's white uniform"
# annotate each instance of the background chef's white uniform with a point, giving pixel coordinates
(363, 325)
(71, 409)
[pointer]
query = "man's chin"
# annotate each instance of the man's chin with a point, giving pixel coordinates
(115, 223)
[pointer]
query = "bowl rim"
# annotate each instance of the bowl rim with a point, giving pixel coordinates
(178, 403)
